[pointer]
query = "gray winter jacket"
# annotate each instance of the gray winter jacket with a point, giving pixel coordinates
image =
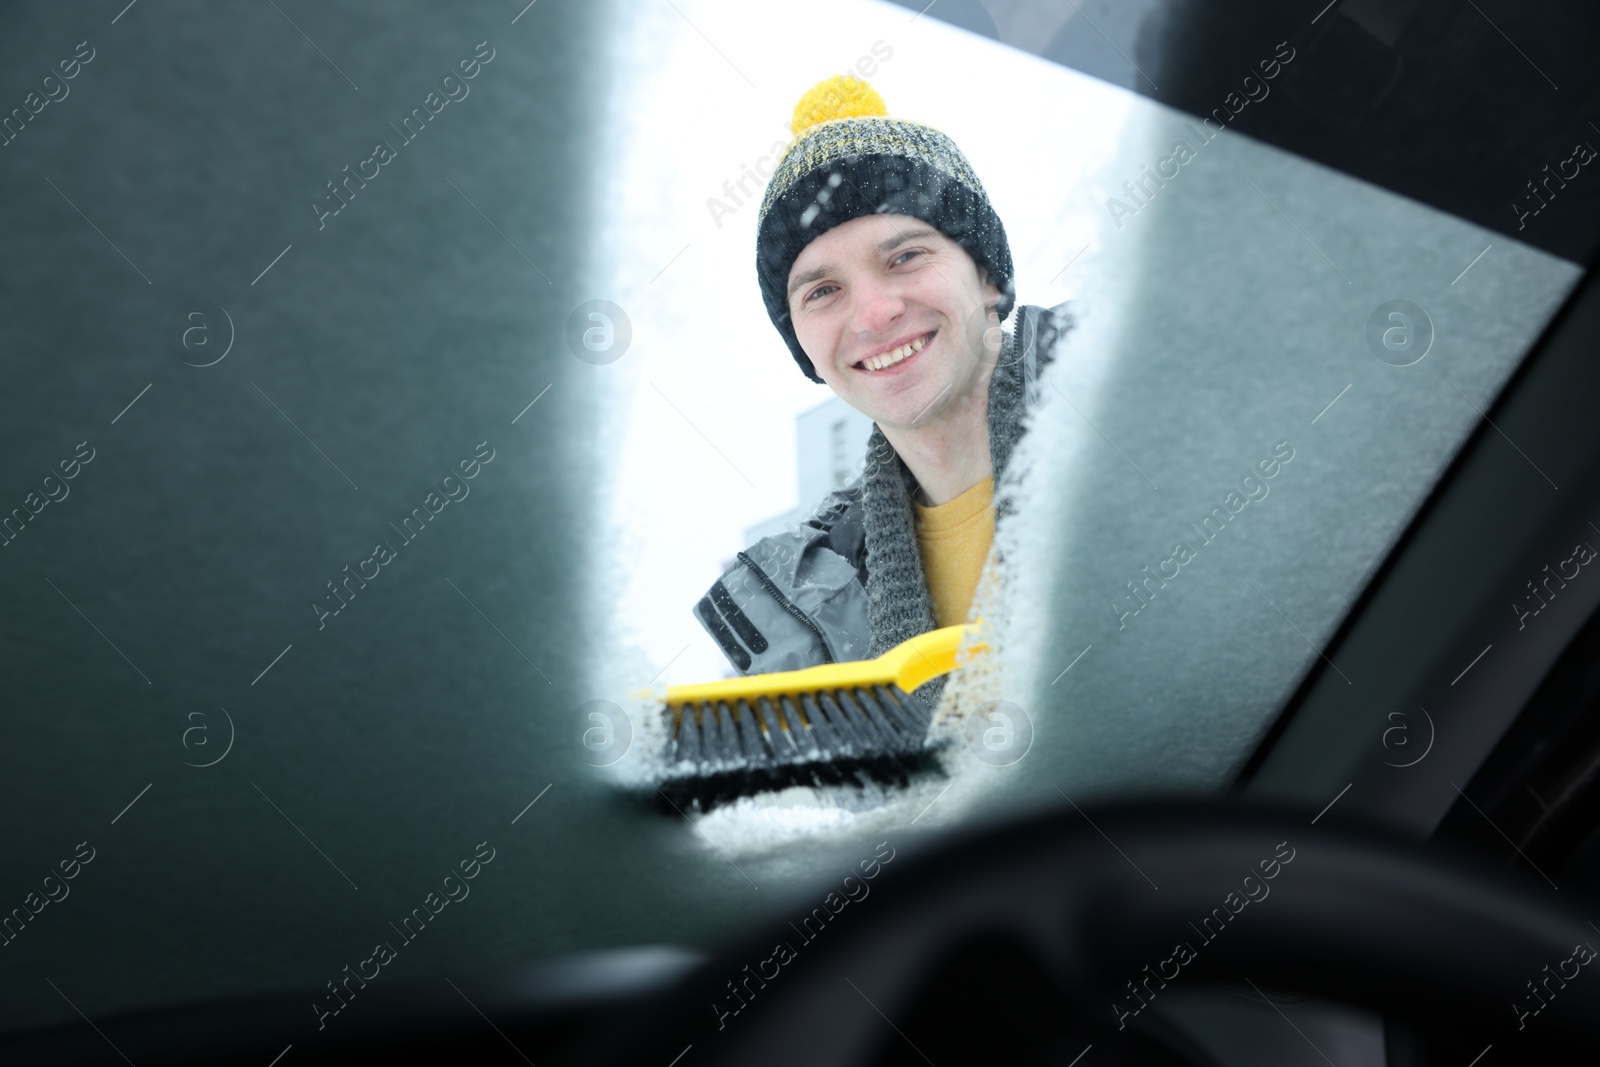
(847, 583)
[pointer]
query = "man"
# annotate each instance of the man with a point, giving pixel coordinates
(887, 272)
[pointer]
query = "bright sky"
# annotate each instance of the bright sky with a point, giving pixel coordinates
(700, 410)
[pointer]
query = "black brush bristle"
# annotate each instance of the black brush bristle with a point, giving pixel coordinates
(719, 752)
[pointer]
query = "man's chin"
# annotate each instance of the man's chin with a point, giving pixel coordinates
(903, 403)
(900, 415)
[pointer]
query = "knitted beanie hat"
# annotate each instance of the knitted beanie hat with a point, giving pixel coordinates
(849, 159)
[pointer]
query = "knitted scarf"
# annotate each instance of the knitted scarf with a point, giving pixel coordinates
(899, 606)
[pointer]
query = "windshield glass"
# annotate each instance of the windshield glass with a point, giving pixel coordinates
(366, 551)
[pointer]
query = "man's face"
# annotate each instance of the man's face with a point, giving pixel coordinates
(866, 288)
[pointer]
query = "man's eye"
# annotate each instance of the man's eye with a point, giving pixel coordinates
(911, 252)
(818, 289)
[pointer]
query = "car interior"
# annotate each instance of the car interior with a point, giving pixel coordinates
(1298, 706)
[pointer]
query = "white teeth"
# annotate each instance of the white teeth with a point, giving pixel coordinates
(889, 359)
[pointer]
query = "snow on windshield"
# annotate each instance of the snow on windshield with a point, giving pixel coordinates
(1220, 457)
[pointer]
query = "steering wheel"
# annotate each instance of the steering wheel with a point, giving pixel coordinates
(1028, 942)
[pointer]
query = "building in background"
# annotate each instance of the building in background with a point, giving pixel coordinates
(830, 444)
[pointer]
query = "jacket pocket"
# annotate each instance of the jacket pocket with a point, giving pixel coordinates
(788, 603)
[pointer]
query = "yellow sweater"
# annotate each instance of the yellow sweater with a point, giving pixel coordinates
(954, 539)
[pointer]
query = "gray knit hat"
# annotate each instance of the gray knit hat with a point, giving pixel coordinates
(849, 159)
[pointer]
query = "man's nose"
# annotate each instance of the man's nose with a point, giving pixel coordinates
(877, 305)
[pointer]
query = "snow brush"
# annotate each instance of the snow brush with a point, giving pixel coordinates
(840, 723)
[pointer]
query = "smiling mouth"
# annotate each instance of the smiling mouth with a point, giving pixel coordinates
(883, 361)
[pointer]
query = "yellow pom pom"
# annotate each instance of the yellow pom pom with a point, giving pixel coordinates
(839, 97)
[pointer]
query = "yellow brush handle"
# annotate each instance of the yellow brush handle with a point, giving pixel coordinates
(907, 665)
